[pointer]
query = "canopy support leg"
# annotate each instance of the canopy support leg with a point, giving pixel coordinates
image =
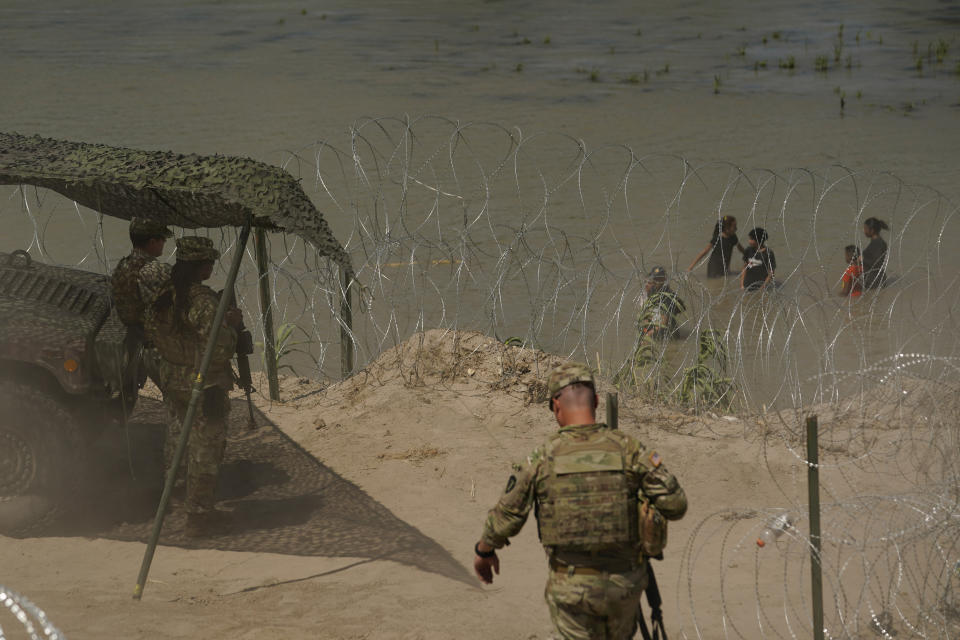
(196, 392)
(346, 329)
(266, 313)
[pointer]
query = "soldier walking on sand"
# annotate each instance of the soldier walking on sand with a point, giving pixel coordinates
(148, 238)
(592, 486)
(179, 321)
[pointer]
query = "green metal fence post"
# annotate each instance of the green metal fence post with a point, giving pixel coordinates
(813, 488)
(613, 410)
(191, 413)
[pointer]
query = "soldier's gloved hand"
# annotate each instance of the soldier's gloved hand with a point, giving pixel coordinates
(485, 567)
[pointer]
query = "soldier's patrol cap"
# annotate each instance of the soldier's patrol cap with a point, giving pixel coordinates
(566, 374)
(196, 249)
(145, 227)
(658, 273)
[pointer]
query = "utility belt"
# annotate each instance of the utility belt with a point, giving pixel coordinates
(578, 570)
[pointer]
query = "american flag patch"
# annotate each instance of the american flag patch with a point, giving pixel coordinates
(655, 459)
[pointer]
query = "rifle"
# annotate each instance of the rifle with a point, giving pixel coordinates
(652, 590)
(244, 349)
(656, 613)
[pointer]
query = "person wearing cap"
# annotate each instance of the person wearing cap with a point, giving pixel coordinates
(587, 482)
(759, 263)
(148, 238)
(661, 306)
(179, 321)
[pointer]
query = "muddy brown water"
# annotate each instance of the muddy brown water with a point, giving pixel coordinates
(695, 80)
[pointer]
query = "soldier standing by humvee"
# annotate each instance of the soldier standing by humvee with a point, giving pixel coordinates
(148, 238)
(594, 489)
(179, 322)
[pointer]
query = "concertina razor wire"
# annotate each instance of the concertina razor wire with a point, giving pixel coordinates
(546, 244)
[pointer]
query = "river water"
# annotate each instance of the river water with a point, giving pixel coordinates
(728, 86)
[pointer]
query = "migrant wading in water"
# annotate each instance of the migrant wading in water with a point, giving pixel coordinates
(720, 248)
(874, 254)
(759, 263)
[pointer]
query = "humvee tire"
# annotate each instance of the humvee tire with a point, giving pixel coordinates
(41, 455)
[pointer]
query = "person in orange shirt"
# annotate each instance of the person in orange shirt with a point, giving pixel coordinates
(851, 284)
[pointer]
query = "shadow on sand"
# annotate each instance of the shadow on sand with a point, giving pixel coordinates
(283, 499)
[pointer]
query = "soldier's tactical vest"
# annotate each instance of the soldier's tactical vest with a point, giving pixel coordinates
(586, 501)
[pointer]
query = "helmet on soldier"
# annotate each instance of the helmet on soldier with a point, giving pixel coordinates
(658, 273)
(564, 375)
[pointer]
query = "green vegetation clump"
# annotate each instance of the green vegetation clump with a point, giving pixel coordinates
(789, 63)
(284, 344)
(821, 64)
(941, 50)
(706, 383)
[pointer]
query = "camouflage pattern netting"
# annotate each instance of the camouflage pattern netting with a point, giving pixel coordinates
(189, 191)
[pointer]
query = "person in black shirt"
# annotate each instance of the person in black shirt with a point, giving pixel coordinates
(874, 254)
(759, 262)
(720, 248)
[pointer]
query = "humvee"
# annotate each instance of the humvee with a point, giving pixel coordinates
(64, 370)
(64, 375)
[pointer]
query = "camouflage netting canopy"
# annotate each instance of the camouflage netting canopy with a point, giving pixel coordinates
(183, 190)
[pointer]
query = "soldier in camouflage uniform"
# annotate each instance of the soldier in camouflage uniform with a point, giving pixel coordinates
(587, 483)
(148, 238)
(661, 306)
(179, 322)
(656, 323)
